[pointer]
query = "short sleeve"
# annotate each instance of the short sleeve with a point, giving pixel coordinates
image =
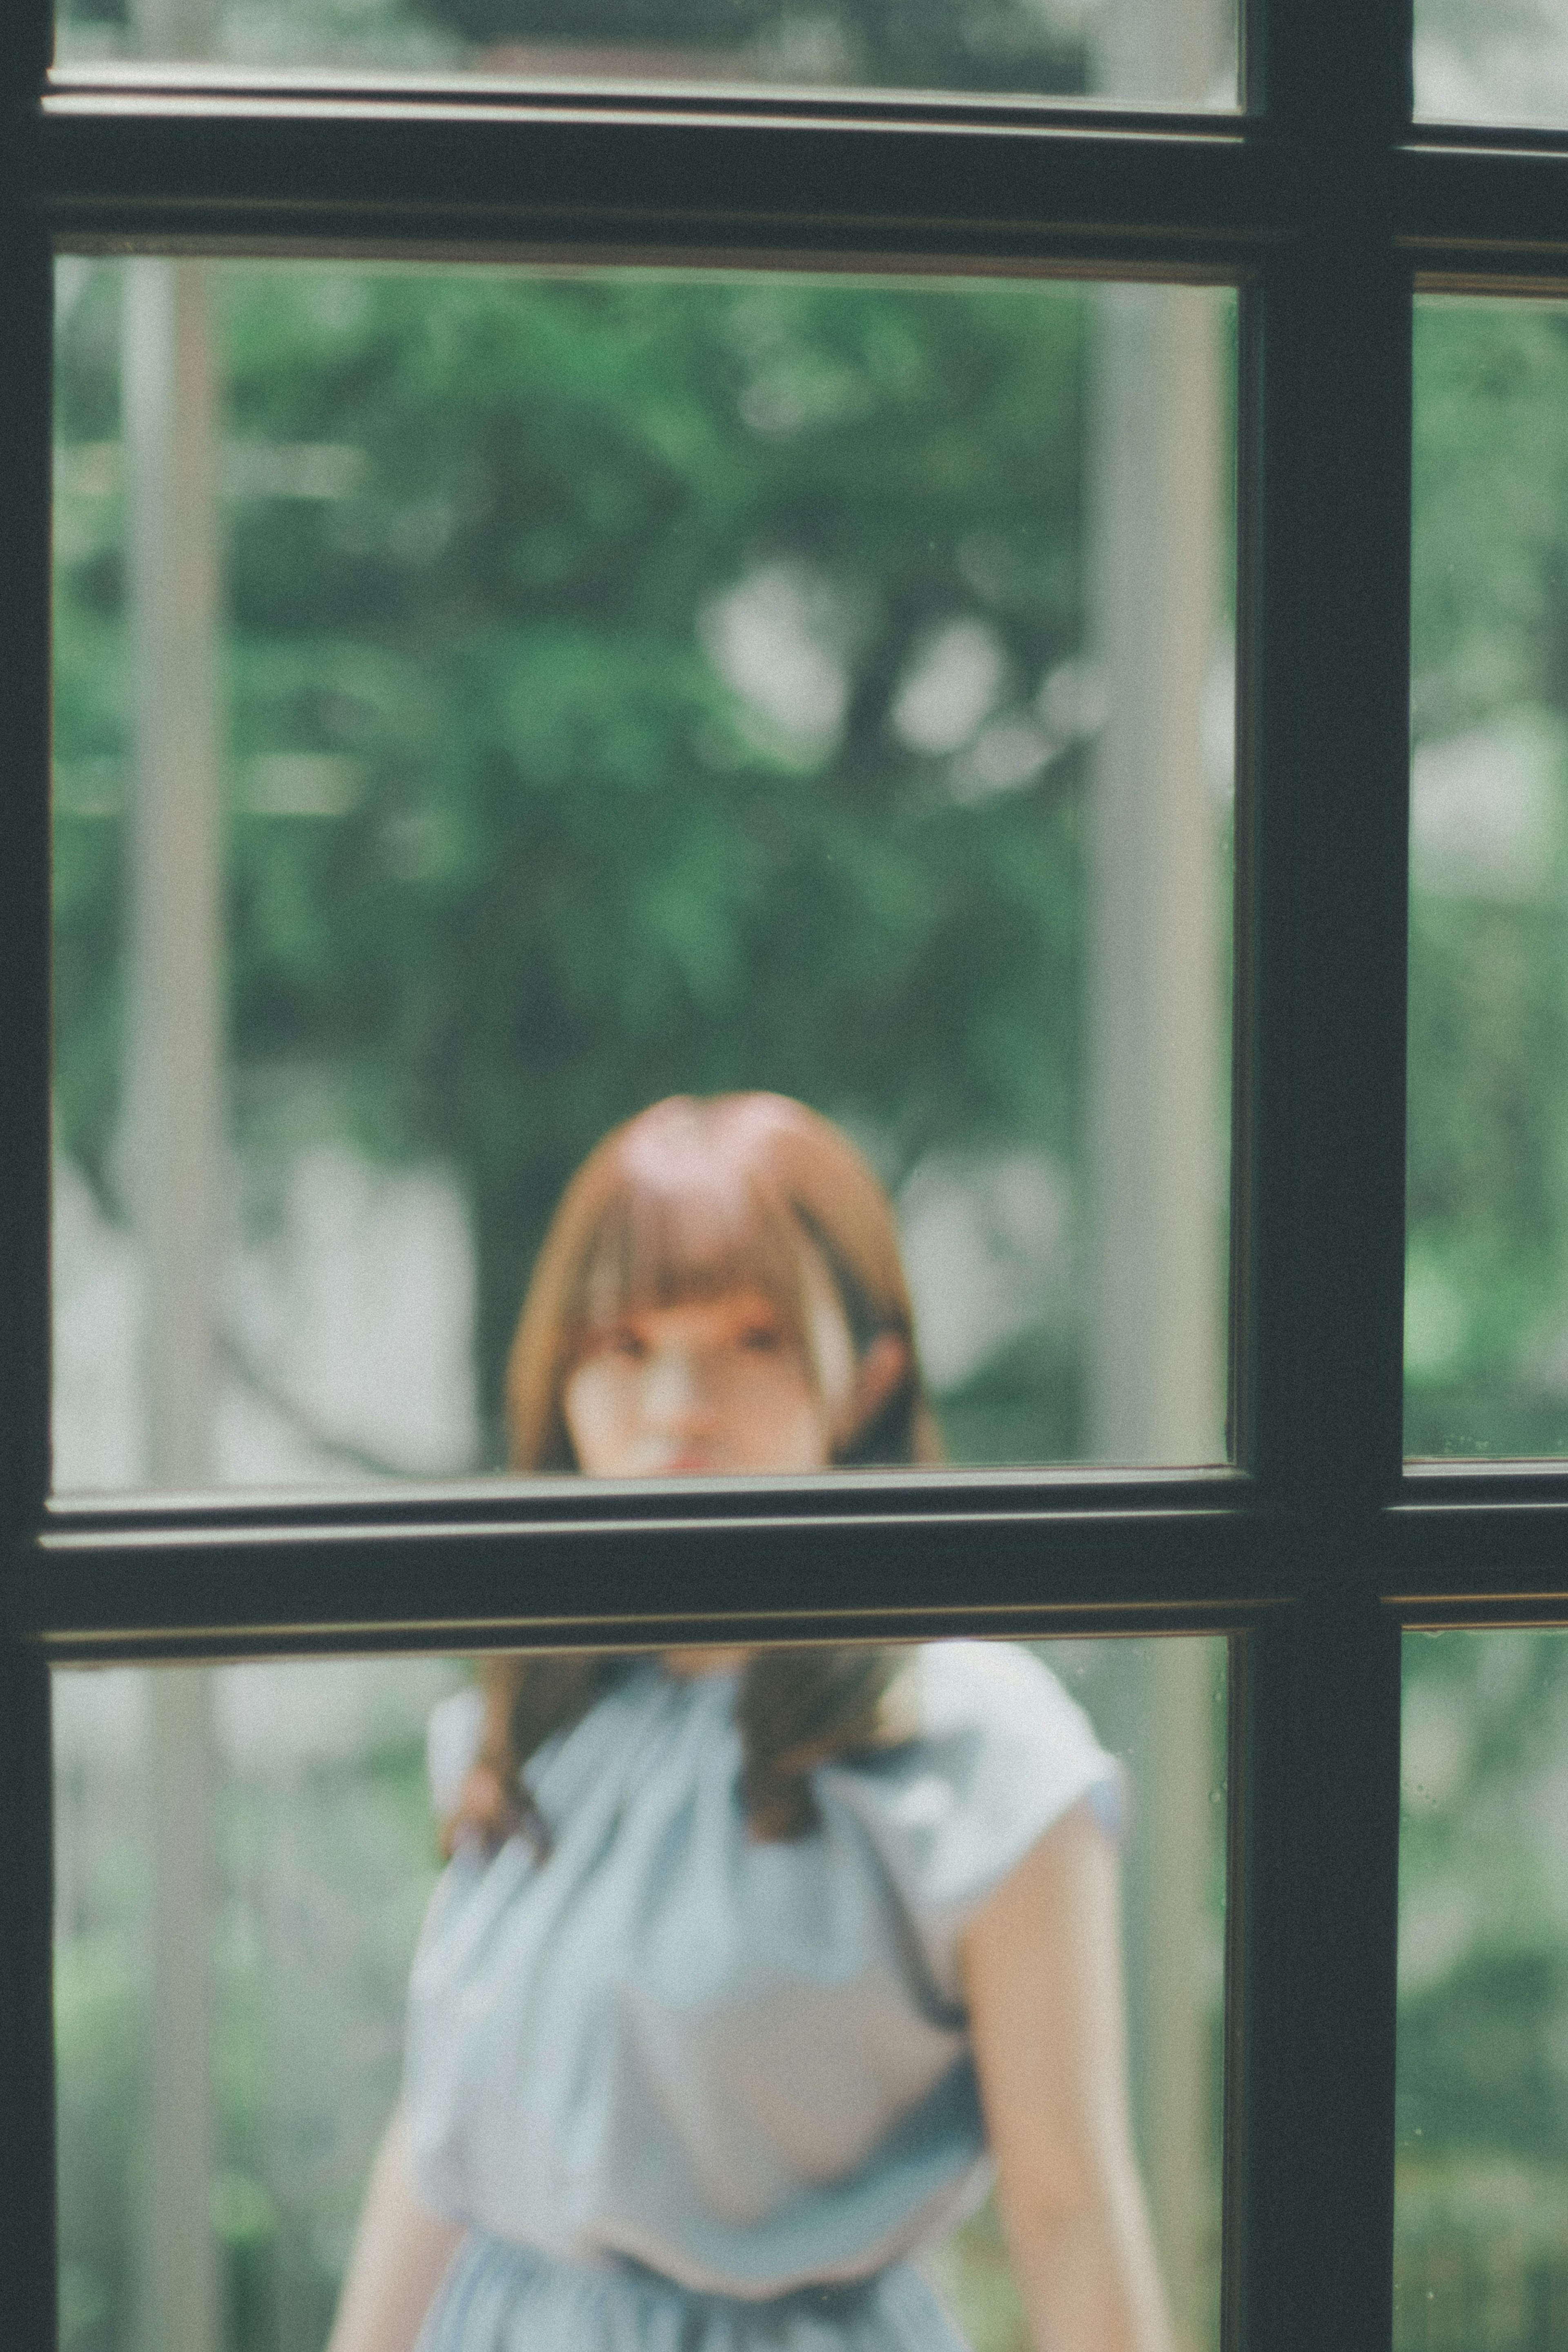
(1001, 1754)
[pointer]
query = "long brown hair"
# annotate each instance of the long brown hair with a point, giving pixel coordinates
(693, 1199)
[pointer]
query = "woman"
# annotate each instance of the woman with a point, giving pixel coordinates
(749, 1965)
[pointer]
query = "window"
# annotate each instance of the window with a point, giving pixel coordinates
(287, 1932)
(1317, 1546)
(736, 655)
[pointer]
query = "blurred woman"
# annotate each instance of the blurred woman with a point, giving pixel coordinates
(750, 1967)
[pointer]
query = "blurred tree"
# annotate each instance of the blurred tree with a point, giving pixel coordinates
(1482, 2096)
(983, 45)
(1488, 1305)
(634, 686)
(986, 45)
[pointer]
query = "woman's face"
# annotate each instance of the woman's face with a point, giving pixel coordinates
(712, 1384)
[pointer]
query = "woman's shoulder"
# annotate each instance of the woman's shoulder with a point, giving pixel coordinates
(989, 1706)
(959, 1679)
(995, 1753)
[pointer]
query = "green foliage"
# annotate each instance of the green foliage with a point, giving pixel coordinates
(1488, 1291)
(572, 866)
(98, 1991)
(320, 1871)
(989, 44)
(1487, 1205)
(1482, 2093)
(1490, 483)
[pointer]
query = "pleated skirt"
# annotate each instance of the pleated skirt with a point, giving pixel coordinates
(504, 2298)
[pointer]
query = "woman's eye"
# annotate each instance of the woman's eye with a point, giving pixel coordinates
(761, 1339)
(622, 1342)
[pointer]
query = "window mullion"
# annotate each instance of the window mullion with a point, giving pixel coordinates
(26, 46)
(1310, 2021)
(1336, 74)
(1323, 564)
(1323, 714)
(1324, 630)
(1323, 637)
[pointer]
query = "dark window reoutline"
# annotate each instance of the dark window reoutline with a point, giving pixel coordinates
(1323, 204)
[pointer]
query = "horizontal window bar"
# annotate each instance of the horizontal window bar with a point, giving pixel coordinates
(130, 85)
(1436, 1612)
(236, 165)
(221, 1645)
(102, 1593)
(183, 157)
(160, 1580)
(841, 1496)
(1489, 138)
(1467, 1483)
(1463, 209)
(1503, 1554)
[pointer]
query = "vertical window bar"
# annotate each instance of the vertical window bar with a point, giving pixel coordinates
(1323, 659)
(1330, 73)
(27, 53)
(1326, 680)
(1315, 1844)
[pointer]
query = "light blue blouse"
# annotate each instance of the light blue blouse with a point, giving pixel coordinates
(743, 2066)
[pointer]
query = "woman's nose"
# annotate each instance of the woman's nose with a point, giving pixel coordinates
(677, 1391)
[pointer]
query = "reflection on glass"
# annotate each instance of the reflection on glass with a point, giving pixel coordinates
(243, 1858)
(487, 703)
(1481, 2214)
(1178, 52)
(1486, 1336)
(1491, 61)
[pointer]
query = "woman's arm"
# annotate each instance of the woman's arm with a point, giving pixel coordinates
(401, 2255)
(1042, 1976)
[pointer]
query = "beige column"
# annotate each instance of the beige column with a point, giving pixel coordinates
(1154, 1348)
(1155, 1373)
(174, 1081)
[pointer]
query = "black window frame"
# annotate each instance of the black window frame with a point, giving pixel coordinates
(1328, 208)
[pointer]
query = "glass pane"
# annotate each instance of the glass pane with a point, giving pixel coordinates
(490, 703)
(1482, 2216)
(243, 1859)
(1175, 53)
(1486, 1340)
(1491, 61)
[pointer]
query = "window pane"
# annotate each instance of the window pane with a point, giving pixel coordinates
(1491, 61)
(1179, 53)
(1481, 2219)
(489, 703)
(243, 1858)
(1487, 1285)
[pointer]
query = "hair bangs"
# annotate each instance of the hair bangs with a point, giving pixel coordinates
(693, 1231)
(696, 1198)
